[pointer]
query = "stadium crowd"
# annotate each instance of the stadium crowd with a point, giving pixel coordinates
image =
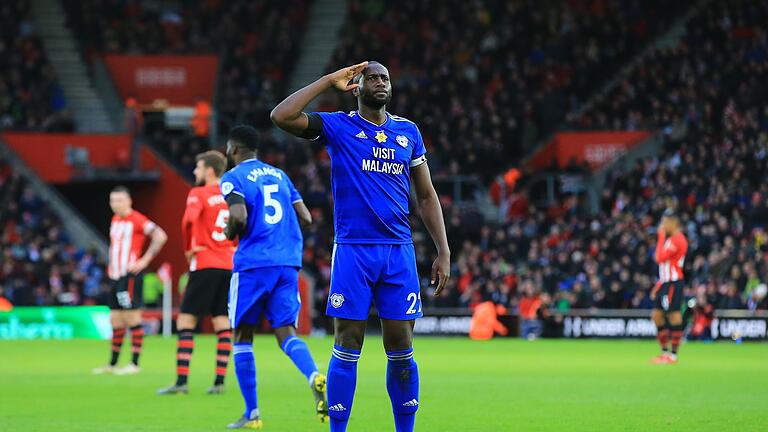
(553, 55)
(713, 85)
(31, 97)
(256, 59)
(504, 74)
(40, 265)
(724, 47)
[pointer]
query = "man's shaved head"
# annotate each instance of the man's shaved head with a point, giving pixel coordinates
(371, 64)
(375, 88)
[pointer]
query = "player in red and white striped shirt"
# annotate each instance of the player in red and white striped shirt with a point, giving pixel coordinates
(671, 247)
(128, 234)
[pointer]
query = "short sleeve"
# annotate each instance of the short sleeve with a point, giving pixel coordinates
(147, 226)
(330, 125)
(230, 184)
(194, 203)
(295, 195)
(419, 155)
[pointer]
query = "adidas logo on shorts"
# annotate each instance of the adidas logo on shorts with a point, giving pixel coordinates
(411, 403)
(337, 407)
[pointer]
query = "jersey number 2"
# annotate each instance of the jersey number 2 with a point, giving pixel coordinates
(413, 298)
(271, 202)
(221, 222)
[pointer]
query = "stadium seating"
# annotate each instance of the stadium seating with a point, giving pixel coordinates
(40, 265)
(488, 79)
(30, 95)
(713, 85)
(475, 113)
(724, 48)
(257, 40)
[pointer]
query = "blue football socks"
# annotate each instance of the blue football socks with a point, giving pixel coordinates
(403, 388)
(298, 352)
(245, 369)
(342, 379)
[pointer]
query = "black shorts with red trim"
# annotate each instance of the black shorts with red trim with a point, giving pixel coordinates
(669, 298)
(127, 292)
(207, 292)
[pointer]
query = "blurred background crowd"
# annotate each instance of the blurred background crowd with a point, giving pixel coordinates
(484, 97)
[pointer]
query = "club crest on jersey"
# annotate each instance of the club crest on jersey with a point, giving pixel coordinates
(381, 136)
(226, 188)
(336, 300)
(402, 140)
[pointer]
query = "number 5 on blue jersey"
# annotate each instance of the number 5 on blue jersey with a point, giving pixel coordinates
(272, 236)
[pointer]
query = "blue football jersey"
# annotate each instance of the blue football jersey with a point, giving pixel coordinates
(370, 176)
(273, 235)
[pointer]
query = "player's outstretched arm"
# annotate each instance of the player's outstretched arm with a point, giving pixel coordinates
(305, 217)
(238, 216)
(432, 214)
(289, 114)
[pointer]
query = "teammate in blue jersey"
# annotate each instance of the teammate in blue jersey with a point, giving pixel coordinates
(375, 158)
(264, 212)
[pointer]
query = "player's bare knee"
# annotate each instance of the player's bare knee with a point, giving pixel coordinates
(283, 333)
(397, 335)
(675, 318)
(133, 318)
(349, 334)
(186, 321)
(350, 339)
(220, 323)
(243, 333)
(397, 342)
(116, 319)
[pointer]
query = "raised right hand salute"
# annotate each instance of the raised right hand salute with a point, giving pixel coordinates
(289, 115)
(377, 159)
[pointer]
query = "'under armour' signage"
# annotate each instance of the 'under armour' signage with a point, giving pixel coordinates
(596, 326)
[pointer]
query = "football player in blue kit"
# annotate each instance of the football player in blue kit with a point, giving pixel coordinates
(264, 213)
(375, 159)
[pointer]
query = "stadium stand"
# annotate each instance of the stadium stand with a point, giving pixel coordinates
(257, 63)
(712, 84)
(30, 95)
(490, 79)
(256, 59)
(724, 48)
(40, 265)
(574, 260)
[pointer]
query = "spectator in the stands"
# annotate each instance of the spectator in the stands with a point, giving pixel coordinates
(528, 311)
(31, 97)
(40, 266)
(731, 298)
(504, 72)
(257, 42)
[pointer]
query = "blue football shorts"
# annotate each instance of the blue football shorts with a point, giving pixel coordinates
(384, 276)
(270, 291)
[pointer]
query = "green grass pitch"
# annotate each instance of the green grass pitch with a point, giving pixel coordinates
(501, 385)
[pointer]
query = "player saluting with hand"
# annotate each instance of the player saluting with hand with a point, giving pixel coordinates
(375, 158)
